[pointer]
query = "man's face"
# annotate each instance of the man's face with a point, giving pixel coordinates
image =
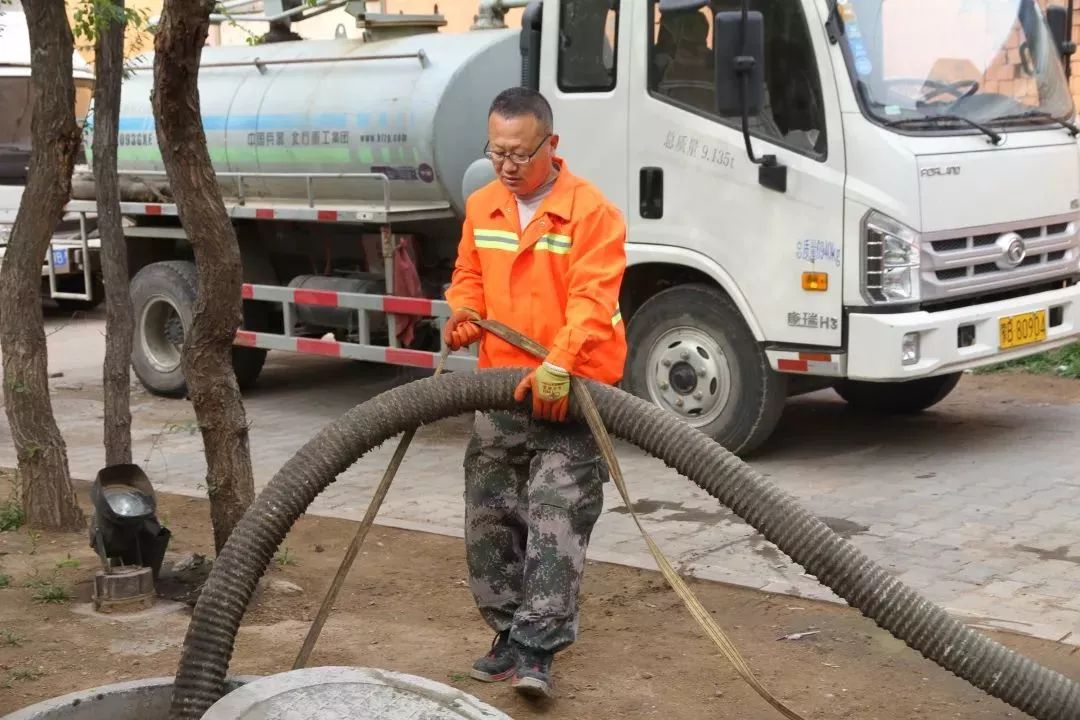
(523, 136)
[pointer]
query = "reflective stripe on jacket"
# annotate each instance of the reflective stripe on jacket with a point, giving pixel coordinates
(557, 281)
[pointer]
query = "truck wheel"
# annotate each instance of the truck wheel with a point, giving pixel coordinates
(691, 353)
(163, 297)
(163, 300)
(911, 396)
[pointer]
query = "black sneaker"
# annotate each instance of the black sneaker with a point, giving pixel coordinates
(533, 676)
(499, 664)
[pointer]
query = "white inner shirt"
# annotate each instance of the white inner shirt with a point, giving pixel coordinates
(528, 204)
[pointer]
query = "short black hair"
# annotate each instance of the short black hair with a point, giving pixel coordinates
(517, 101)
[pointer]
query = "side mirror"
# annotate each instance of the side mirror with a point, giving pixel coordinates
(1057, 17)
(739, 60)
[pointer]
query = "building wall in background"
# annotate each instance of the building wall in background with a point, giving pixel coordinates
(134, 43)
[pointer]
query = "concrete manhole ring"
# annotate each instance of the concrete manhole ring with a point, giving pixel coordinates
(353, 693)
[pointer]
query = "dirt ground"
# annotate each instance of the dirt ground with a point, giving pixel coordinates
(1016, 386)
(406, 607)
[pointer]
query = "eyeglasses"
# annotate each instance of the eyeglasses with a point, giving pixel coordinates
(516, 158)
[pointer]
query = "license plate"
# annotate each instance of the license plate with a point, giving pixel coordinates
(1024, 329)
(59, 257)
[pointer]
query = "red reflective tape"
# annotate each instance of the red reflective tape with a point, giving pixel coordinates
(322, 298)
(153, 209)
(416, 358)
(818, 357)
(327, 215)
(264, 214)
(330, 348)
(246, 291)
(792, 365)
(407, 306)
(245, 338)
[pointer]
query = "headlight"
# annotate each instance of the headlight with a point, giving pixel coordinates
(890, 261)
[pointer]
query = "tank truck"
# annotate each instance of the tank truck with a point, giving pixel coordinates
(70, 271)
(866, 195)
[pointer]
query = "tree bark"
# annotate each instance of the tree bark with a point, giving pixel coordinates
(207, 353)
(119, 320)
(47, 496)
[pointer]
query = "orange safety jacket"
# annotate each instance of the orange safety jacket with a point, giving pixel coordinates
(557, 281)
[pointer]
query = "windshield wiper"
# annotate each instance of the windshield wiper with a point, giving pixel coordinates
(994, 137)
(1039, 115)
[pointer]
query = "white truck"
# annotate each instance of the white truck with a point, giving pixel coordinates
(70, 271)
(873, 196)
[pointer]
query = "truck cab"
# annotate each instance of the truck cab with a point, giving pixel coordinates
(873, 196)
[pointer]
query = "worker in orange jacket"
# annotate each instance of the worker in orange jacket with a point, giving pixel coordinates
(542, 251)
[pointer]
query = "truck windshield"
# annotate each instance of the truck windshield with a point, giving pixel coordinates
(991, 62)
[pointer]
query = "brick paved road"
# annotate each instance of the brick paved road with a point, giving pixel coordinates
(975, 505)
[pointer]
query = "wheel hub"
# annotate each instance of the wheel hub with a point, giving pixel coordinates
(161, 334)
(174, 331)
(683, 378)
(689, 375)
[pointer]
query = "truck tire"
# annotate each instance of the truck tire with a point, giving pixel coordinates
(691, 353)
(163, 298)
(911, 396)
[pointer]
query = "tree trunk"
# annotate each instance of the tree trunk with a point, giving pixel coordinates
(119, 320)
(47, 495)
(207, 353)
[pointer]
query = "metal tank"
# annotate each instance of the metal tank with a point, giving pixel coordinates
(413, 108)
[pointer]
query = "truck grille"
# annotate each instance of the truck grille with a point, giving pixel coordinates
(956, 264)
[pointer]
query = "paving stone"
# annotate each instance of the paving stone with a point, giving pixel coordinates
(974, 573)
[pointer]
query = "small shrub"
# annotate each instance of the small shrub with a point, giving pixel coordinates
(26, 674)
(52, 593)
(1063, 362)
(11, 515)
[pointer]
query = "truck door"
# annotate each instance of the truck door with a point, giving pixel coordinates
(584, 75)
(697, 201)
(712, 202)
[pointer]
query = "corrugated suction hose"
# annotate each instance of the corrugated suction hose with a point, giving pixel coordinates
(986, 664)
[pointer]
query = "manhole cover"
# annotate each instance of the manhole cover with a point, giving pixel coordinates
(348, 693)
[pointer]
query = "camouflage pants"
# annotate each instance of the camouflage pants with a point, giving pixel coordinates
(533, 491)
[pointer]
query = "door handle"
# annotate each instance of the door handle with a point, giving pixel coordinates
(652, 193)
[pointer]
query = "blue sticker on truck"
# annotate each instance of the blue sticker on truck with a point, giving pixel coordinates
(59, 258)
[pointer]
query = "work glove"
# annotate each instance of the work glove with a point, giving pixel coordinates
(550, 388)
(459, 330)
